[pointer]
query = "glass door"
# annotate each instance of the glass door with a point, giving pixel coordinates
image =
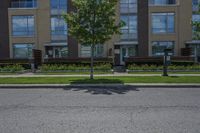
(126, 52)
(57, 53)
(123, 55)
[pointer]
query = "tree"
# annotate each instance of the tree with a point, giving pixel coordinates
(93, 22)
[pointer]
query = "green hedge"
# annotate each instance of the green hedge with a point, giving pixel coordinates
(12, 68)
(146, 67)
(24, 65)
(73, 67)
(183, 63)
(160, 63)
(78, 63)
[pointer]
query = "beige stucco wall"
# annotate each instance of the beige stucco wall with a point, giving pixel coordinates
(185, 25)
(183, 28)
(13, 39)
(42, 25)
(116, 38)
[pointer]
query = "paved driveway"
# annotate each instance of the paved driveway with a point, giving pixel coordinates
(100, 110)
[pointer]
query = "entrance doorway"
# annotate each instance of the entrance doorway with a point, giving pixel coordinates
(125, 52)
(57, 52)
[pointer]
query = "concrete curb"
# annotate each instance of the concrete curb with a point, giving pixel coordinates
(54, 86)
(98, 75)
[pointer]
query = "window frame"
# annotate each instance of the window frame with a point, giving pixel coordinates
(167, 3)
(27, 32)
(97, 52)
(167, 16)
(159, 43)
(29, 46)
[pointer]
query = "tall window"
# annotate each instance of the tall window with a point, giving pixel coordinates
(58, 28)
(86, 51)
(59, 5)
(57, 52)
(23, 26)
(163, 22)
(128, 11)
(159, 47)
(128, 6)
(24, 3)
(195, 4)
(129, 31)
(22, 51)
(162, 2)
(195, 18)
(58, 25)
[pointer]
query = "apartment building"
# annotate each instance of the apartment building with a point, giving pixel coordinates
(151, 26)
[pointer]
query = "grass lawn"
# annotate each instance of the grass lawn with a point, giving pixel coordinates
(98, 80)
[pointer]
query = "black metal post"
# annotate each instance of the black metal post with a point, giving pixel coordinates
(166, 62)
(165, 72)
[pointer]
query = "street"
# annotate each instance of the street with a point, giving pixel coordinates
(100, 110)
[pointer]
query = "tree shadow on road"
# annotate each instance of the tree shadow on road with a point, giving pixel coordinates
(100, 86)
(103, 90)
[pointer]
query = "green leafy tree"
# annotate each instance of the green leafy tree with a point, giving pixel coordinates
(93, 22)
(196, 26)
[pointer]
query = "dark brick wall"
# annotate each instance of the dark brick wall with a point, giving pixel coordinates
(143, 28)
(4, 32)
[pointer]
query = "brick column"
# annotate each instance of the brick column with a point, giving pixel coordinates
(4, 30)
(143, 28)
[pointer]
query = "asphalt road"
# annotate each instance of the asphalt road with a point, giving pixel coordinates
(100, 110)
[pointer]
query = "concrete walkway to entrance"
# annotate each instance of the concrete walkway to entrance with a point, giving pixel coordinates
(86, 75)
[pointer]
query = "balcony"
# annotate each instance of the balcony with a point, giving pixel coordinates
(24, 4)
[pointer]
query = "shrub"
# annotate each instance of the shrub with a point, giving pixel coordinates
(183, 63)
(160, 63)
(155, 68)
(73, 67)
(12, 68)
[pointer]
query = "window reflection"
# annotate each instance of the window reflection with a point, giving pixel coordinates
(22, 51)
(159, 47)
(23, 26)
(163, 22)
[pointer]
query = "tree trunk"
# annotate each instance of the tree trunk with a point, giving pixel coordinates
(92, 63)
(93, 43)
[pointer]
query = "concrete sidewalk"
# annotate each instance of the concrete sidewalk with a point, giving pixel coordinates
(96, 75)
(53, 86)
